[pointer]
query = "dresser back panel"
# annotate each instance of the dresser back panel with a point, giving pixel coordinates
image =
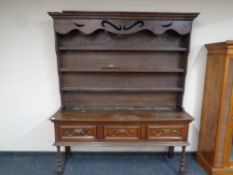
(122, 61)
(123, 100)
(143, 40)
(122, 80)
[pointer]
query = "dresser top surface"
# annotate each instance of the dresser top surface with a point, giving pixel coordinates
(219, 44)
(121, 115)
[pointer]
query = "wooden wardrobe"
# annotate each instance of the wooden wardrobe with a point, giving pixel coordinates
(121, 78)
(215, 152)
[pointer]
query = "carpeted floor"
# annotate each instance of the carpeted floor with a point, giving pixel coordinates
(97, 164)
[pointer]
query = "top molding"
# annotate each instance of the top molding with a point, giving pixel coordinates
(122, 15)
(122, 22)
(221, 47)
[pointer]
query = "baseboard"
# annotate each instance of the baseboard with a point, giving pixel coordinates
(222, 171)
(204, 164)
(212, 171)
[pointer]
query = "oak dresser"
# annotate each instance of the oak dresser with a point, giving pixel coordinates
(122, 77)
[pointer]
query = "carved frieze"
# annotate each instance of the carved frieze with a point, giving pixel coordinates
(157, 27)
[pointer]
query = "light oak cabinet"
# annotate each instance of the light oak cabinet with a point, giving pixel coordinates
(216, 133)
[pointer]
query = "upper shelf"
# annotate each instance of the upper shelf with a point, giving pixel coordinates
(77, 89)
(123, 70)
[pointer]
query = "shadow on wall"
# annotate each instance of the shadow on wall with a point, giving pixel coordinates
(195, 86)
(39, 138)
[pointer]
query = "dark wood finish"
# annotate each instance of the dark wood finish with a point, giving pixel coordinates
(215, 137)
(171, 151)
(120, 133)
(116, 115)
(121, 125)
(77, 132)
(167, 132)
(122, 144)
(68, 152)
(182, 163)
(122, 78)
(59, 161)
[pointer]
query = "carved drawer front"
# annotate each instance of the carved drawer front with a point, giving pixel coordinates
(121, 132)
(78, 132)
(163, 133)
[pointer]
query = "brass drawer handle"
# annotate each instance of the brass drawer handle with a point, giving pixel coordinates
(78, 131)
(82, 131)
(165, 131)
(168, 131)
(120, 131)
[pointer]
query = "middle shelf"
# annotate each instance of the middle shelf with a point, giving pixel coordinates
(178, 70)
(77, 89)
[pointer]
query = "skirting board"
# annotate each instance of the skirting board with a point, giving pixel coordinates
(213, 171)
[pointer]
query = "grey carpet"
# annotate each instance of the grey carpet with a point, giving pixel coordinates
(97, 164)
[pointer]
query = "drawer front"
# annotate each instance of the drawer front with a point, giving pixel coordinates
(76, 133)
(121, 133)
(166, 133)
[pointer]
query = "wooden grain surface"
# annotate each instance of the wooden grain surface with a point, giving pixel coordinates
(215, 137)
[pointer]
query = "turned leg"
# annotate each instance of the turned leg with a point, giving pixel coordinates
(182, 162)
(59, 161)
(171, 151)
(68, 152)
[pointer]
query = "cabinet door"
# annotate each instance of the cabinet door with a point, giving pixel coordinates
(231, 149)
(231, 133)
(228, 152)
(228, 148)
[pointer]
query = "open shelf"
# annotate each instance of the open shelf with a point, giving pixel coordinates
(122, 70)
(75, 89)
(175, 49)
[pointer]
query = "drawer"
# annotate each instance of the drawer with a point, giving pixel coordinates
(122, 133)
(166, 132)
(76, 133)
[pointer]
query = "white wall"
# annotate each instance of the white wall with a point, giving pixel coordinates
(28, 79)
